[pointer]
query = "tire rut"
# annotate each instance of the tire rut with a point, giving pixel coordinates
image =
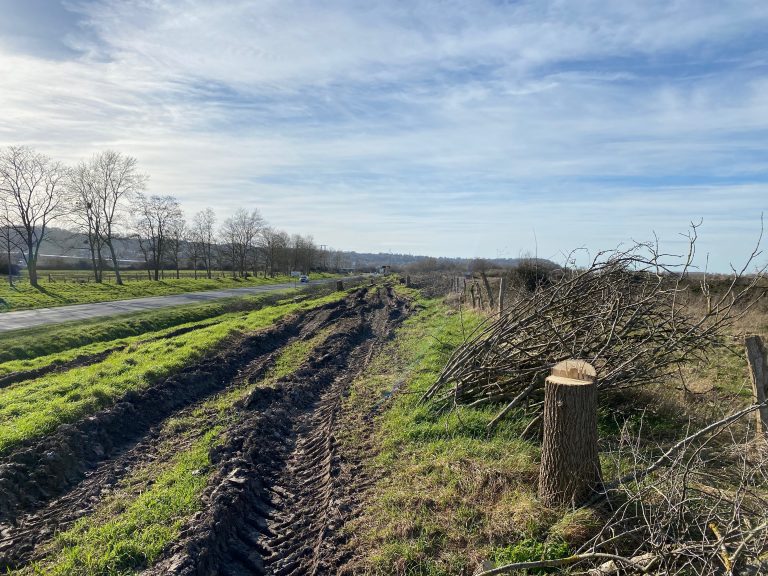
(94, 455)
(279, 497)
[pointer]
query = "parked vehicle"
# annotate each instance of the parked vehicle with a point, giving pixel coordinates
(303, 278)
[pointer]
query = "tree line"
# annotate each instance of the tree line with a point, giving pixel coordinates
(105, 199)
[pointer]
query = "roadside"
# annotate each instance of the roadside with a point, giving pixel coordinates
(44, 316)
(52, 293)
(181, 472)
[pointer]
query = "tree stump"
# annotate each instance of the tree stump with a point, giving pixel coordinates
(407, 281)
(339, 285)
(757, 357)
(570, 464)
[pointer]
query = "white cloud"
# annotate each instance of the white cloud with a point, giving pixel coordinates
(446, 127)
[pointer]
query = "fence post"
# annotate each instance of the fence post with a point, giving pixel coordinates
(501, 294)
(339, 285)
(487, 290)
(408, 281)
(758, 371)
(570, 464)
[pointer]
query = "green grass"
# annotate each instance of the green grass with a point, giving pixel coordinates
(86, 339)
(451, 495)
(132, 526)
(23, 296)
(49, 340)
(126, 535)
(34, 408)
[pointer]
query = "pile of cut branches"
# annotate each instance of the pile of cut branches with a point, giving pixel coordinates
(625, 313)
(697, 509)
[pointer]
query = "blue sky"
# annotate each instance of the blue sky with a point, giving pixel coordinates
(454, 128)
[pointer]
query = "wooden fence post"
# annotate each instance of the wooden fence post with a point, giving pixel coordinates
(487, 290)
(501, 294)
(570, 464)
(339, 285)
(758, 370)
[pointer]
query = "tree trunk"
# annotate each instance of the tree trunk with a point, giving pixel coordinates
(570, 465)
(115, 263)
(758, 370)
(10, 265)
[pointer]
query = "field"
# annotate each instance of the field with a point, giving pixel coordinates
(60, 292)
(275, 435)
(112, 443)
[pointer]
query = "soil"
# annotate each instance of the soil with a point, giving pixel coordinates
(283, 485)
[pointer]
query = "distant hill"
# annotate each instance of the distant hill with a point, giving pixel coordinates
(67, 249)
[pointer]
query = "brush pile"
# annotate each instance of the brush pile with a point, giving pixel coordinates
(626, 313)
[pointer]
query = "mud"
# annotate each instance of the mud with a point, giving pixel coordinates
(47, 484)
(284, 487)
(283, 484)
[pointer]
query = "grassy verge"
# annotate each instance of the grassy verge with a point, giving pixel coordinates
(129, 530)
(34, 408)
(49, 340)
(452, 497)
(24, 296)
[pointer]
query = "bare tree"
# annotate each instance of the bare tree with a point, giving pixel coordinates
(240, 233)
(154, 223)
(87, 214)
(33, 187)
(203, 239)
(115, 179)
(6, 232)
(303, 254)
(272, 242)
(176, 240)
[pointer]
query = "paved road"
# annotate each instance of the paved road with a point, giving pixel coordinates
(41, 316)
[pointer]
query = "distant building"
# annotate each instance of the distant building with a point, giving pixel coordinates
(385, 269)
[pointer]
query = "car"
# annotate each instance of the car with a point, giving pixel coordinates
(303, 278)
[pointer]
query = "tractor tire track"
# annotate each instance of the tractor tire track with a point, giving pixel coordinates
(46, 486)
(283, 489)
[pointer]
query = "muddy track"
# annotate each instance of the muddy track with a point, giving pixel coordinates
(47, 485)
(283, 487)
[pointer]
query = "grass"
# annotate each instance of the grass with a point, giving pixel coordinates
(450, 495)
(49, 340)
(131, 527)
(24, 296)
(35, 408)
(128, 533)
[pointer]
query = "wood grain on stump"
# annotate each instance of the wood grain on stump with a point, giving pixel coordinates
(570, 464)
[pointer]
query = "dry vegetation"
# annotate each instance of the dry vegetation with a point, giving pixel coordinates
(685, 484)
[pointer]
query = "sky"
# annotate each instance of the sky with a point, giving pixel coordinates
(467, 128)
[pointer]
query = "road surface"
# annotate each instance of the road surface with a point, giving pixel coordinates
(42, 316)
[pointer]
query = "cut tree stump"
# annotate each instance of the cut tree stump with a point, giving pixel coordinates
(570, 464)
(758, 371)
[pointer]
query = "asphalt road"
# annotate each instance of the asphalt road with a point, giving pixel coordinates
(41, 316)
